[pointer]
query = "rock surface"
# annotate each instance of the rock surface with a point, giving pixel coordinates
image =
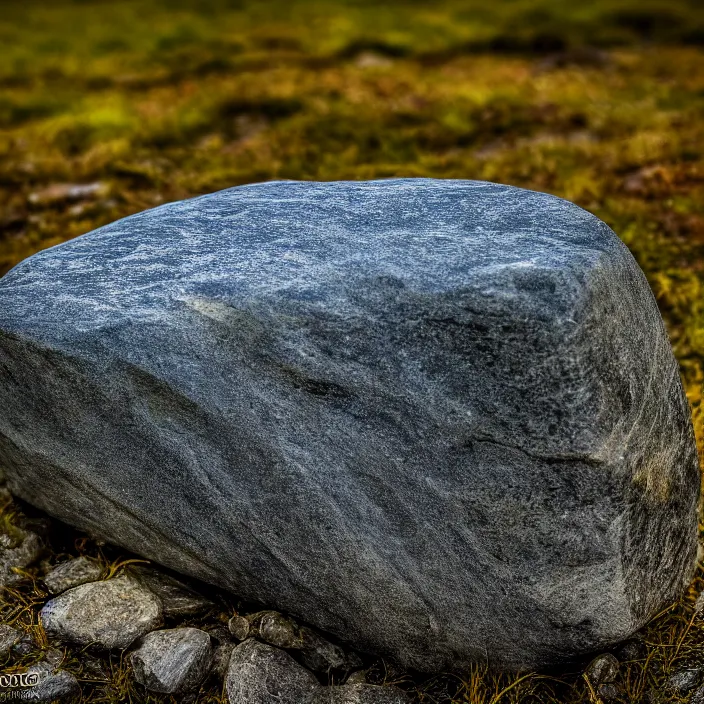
(177, 598)
(260, 674)
(8, 637)
(109, 614)
(438, 419)
(17, 552)
(52, 686)
(173, 660)
(602, 669)
(72, 573)
(361, 694)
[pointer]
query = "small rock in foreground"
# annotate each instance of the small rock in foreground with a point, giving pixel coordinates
(685, 680)
(262, 674)
(52, 686)
(173, 660)
(601, 669)
(259, 674)
(239, 627)
(110, 614)
(361, 694)
(72, 573)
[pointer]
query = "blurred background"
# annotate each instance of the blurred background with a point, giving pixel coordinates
(108, 108)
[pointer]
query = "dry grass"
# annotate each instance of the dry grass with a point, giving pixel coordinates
(149, 101)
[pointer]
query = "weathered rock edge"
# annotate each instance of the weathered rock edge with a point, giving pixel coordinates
(439, 419)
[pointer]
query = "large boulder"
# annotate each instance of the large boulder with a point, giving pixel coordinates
(438, 419)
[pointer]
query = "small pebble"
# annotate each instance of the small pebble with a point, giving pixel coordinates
(602, 669)
(685, 680)
(72, 573)
(239, 627)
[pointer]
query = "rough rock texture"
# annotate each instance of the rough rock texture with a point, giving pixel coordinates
(685, 679)
(438, 419)
(221, 660)
(177, 599)
(172, 660)
(109, 614)
(17, 552)
(72, 573)
(601, 669)
(261, 674)
(52, 686)
(360, 694)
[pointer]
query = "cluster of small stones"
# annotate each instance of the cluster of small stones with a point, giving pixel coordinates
(260, 657)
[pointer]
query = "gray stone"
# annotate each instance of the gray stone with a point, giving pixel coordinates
(8, 637)
(109, 614)
(602, 668)
(52, 685)
(360, 694)
(221, 660)
(440, 420)
(697, 696)
(219, 633)
(173, 660)
(686, 679)
(17, 552)
(72, 573)
(239, 627)
(178, 599)
(261, 674)
(53, 657)
(276, 629)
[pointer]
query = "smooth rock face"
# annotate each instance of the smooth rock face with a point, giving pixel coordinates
(438, 419)
(72, 573)
(109, 614)
(172, 660)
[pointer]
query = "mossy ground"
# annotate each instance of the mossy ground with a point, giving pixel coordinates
(155, 100)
